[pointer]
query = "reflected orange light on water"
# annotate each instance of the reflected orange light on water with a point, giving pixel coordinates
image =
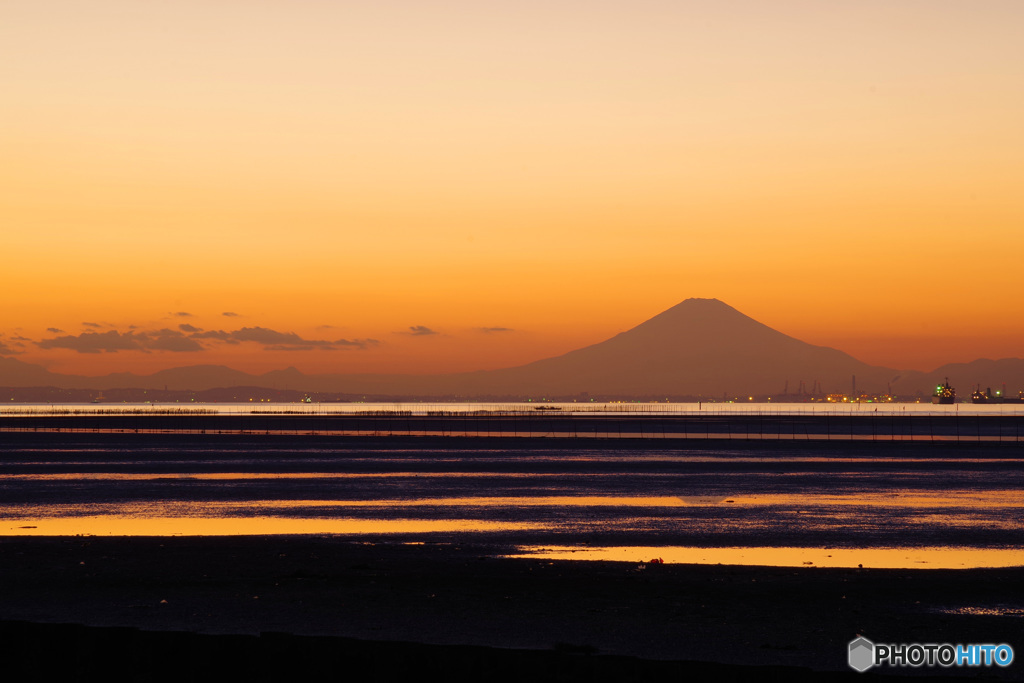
(273, 476)
(908, 499)
(108, 525)
(483, 501)
(210, 509)
(869, 558)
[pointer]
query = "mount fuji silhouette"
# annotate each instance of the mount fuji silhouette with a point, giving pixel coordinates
(700, 347)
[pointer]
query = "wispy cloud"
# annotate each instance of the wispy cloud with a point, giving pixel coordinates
(419, 331)
(169, 340)
(9, 348)
(113, 341)
(93, 342)
(91, 325)
(229, 314)
(494, 330)
(185, 338)
(265, 335)
(273, 340)
(182, 314)
(356, 343)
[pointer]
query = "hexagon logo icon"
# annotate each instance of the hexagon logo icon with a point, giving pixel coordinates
(861, 654)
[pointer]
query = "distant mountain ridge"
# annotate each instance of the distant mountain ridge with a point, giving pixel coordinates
(966, 377)
(16, 373)
(700, 347)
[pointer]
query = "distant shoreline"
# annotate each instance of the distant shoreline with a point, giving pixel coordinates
(677, 429)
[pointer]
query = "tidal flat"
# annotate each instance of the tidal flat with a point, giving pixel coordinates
(447, 542)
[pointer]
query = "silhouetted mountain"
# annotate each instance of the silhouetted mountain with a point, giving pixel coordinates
(198, 378)
(700, 347)
(16, 373)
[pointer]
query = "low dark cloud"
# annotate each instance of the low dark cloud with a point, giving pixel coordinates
(229, 314)
(356, 343)
(419, 331)
(182, 314)
(264, 335)
(272, 340)
(212, 334)
(93, 342)
(6, 348)
(113, 341)
(185, 338)
(169, 340)
(54, 330)
(91, 325)
(493, 330)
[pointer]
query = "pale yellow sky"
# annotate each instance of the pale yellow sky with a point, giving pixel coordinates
(846, 172)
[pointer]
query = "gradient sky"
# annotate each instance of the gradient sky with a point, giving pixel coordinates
(412, 186)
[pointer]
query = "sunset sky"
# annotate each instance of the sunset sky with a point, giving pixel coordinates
(417, 186)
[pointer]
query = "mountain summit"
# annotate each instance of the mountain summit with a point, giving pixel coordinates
(700, 347)
(697, 347)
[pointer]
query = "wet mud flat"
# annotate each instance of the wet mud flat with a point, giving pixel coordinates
(159, 608)
(556, 492)
(276, 607)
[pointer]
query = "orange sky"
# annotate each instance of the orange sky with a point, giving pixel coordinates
(847, 173)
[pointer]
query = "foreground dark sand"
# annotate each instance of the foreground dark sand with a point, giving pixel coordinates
(456, 609)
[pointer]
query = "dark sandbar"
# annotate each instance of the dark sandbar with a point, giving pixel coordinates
(323, 603)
